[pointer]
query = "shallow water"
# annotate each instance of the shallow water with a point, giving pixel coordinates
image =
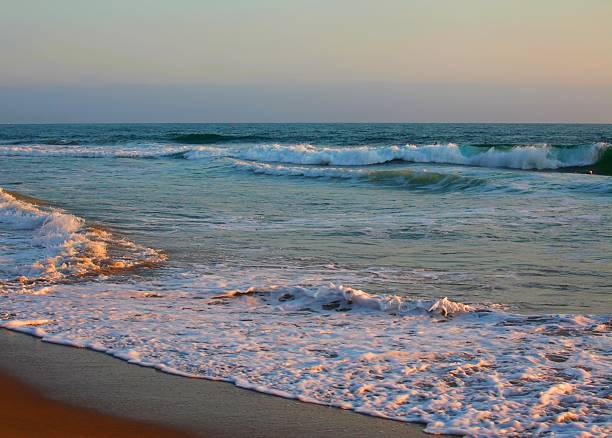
(149, 223)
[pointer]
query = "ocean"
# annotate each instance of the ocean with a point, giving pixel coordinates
(458, 275)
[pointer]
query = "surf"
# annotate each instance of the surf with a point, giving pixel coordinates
(457, 367)
(529, 157)
(53, 245)
(595, 158)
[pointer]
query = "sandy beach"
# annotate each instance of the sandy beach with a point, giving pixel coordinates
(25, 413)
(118, 399)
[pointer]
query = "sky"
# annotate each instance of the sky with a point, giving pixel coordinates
(306, 60)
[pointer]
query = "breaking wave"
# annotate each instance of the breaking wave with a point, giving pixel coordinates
(531, 157)
(595, 157)
(52, 245)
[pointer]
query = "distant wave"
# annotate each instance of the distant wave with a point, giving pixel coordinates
(82, 151)
(529, 157)
(595, 157)
(518, 157)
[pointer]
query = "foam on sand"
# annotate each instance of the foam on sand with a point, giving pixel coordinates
(465, 369)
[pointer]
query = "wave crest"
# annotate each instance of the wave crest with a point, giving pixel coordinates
(518, 157)
(597, 157)
(529, 157)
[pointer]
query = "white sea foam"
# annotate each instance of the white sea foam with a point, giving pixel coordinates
(466, 369)
(53, 244)
(343, 298)
(517, 157)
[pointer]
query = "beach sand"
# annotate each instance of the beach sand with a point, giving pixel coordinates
(118, 399)
(24, 413)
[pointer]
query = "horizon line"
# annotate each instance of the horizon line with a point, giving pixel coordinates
(311, 123)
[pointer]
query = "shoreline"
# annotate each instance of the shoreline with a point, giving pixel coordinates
(112, 387)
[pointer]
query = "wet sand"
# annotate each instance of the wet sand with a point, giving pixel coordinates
(114, 388)
(25, 413)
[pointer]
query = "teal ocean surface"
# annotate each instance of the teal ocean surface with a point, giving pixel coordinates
(454, 274)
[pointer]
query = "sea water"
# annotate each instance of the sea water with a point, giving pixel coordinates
(457, 275)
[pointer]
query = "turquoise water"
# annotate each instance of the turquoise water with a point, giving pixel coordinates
(237, 197)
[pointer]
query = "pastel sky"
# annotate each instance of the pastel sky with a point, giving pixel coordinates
(306, 60)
